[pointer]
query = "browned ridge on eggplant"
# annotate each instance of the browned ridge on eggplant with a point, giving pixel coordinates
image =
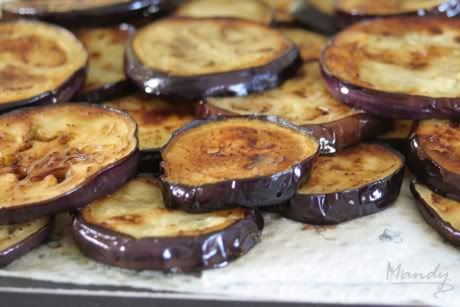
(133, 229)
(39, 64)
(198, 57)
(434, 155)
(106, 78)
(442, 213)
(61, 157)
(229, 161)
(254, 10)
(283, 10)
(356, 182)
(157, 119)
(305, 101)
(318, 15)
(398, 135)
(18, 239)
(309, 43)
(404, 68)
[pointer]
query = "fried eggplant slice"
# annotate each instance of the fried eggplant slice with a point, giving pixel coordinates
(318, 15)
(434, 155)
(61, 157)
(157, 119)
(398, 136)
(402, 68)
(304, 101)
(106, 78)
(253, 10)
(309, 43)
(225, 162)
(284, 10)
(191, 58)
(356, 182)
(39, 64)
(133, 229)
(18, 239)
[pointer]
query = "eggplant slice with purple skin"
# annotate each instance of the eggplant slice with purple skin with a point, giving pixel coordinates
(353, 183)
(434, 155)
(61, 157)
(304, 101)
(225, 162)
(87, 13)
(106, 78)
(376, 66)
(18, 239)
(254, 10)
(398, 136)
(352, 11)
(441, 213)
(317, 15)
(157, 119)
(41, 64)
(191, 58)
(132, 229)
(309, 43)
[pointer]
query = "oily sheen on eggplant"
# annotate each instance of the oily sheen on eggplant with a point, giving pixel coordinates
(397, 67)
(18, 239)
(191, 58)
(61, 157)
(434, 155)
(441, 213)
(304, 101)
(39, 64)
(133, 229)
(106, 78)
(353, 183)
(254, 10)
(318, 15)
(224, 162)
(157, 119)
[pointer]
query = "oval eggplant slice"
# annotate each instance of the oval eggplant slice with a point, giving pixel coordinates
(157, 119)
(309, 43)
(229, 161)
(441, 213)
(253, 10)
(72, 13)
(356, 182)
(317, 15)
(283, 10)
(18, 239)
(133, 229)
(192, 58)
(399, 135)
(402, 68)
(434, 155)
(39, 64)
(305, 101)
(62, 157)
(106, 78)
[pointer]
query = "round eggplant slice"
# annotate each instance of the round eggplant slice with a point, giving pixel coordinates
(190, 58)
(133, 229)
(402, 68)
(61, 157)
(283, 10)
(309, 43)
(39, 64)
(434, 155)
(106, 78)
(351, 11)
(157, 119)
(224, 162)
(399, 135)
(304, 101)
(253, 10)
(356, 182)
(18, 239)
(441, 213)
(72, 13)
(317, 15)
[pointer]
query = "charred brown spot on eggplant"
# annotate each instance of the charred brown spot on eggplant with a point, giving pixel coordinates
(254, 10)
(139, 232)
(353, 183)
(50, 156)
(283, 10)
(309, 43)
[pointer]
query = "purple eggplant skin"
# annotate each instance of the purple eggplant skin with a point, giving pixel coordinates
(63, 93)
(149, 162)
(250, 192)
(14, 252)
(391, 105)
(107, 92)
(169, 254)
(312, 18)
(192, 88)
(431, 173)
(443, 228)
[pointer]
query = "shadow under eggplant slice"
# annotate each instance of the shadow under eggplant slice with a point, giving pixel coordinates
(398, 136)
(318, 15)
